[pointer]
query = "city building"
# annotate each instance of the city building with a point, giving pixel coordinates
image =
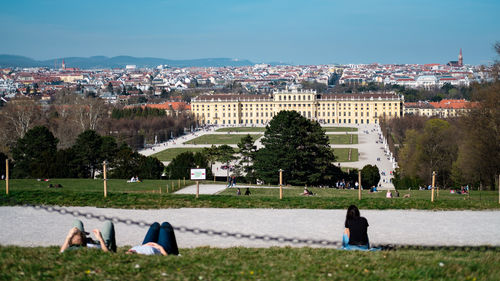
(443, 109)
(360, 108)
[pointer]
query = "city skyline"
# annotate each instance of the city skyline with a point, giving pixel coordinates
(294, 32)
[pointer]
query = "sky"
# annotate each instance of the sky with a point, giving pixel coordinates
(289, 31)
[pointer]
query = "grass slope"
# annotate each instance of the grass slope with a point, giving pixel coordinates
(146, 195)
(274, 263)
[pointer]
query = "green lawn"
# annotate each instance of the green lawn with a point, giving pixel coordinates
(221, 139)
(342, 154)
(343, 139)
(275, 263)
(242, 129)
(89, 185)
(146, 195)
(340, 129)
(169, 154)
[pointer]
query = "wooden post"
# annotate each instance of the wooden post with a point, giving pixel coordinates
(498, 189)
(214, 177)
(105, 179)
(167, 187)
(7, 176)
(179, 183)
(433, 182)
(197, 184)
(159, 188)
(184, 181)
(359, 185)
(281, 184)
(197, 188)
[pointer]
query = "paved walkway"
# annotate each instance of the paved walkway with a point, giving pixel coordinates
(29, 227)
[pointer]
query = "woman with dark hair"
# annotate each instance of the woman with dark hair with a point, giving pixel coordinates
(356, 231)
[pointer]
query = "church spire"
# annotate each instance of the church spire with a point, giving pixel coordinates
(460, 58)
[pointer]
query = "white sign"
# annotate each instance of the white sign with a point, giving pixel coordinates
(198, 174)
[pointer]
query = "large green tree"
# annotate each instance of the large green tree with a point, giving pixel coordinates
(225, 154)
(370, 176)
(182, 164)
(247, 155)
(87, 149)
(299, 147)
(34, 153)
(437, 150)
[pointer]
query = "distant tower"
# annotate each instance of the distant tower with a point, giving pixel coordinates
(64, 65)
(460, 58)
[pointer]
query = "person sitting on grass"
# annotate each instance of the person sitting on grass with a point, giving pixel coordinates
(159, 240)
(307, 192)
(356, 231)
(247, 192)
(77, 238)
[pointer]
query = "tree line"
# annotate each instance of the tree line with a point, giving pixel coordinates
(463, 150)
(447, 91)
(36, 155)
(68, 115)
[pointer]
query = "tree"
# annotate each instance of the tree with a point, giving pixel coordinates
(479, 154)
(34, 153)
(370, 176)
(18, 116)
(247, 152)
(3, 157)
(128, 163)
(211, 154)
(437, 150)
(181, 164)
(299, 147)
(87, 150)
(225, 154)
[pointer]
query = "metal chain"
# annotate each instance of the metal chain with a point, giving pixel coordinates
(194, 230)
(238, 235)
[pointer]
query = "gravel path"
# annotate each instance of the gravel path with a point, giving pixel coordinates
(29, 227)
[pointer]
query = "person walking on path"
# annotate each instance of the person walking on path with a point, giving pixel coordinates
(159, 240)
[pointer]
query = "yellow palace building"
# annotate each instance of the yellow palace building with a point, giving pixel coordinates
(358, 108)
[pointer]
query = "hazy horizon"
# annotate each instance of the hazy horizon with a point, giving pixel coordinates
(292, 32)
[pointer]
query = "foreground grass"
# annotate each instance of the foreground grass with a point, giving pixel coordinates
(274, 263)
(343, 139)
(221, 139)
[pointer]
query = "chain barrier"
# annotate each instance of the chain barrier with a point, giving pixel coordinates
(238, 235)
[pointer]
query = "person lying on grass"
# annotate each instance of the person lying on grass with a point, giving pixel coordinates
(77, 238)
(159, 240)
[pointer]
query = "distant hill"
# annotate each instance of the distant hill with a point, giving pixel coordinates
(117, 62)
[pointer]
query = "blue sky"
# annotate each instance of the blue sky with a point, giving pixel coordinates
(298, 32)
